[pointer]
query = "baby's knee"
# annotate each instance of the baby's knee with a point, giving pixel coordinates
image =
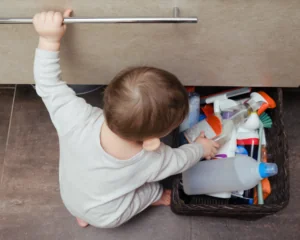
(108, 223)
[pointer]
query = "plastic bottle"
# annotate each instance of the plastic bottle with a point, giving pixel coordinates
(229, 148)
(226, 135)
(212, 126)
(226, 151)
(248, 141)
(239, 114)
(226, 175)
(263, 99)
(194, 110)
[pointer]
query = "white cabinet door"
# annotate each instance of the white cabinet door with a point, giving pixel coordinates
(253, 43)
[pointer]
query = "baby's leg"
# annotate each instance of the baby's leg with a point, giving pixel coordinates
(81, 223)
(144, 196)
(164, 200)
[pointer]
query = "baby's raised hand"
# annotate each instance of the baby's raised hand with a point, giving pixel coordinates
(210, 147)
(50, 27)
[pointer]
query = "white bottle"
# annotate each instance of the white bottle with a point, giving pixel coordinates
(226, 175)
(226, 151)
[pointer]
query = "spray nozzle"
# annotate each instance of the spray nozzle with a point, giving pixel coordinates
(253, 104)
(217, 110)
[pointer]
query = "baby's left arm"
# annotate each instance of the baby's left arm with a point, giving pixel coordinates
(170, 161)
(65, 108)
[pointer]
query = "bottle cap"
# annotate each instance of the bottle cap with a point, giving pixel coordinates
(267, 169)
(190, 89)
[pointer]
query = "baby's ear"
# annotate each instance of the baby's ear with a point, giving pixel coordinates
(151, 144)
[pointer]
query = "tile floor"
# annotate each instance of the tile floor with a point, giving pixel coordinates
(30, 204)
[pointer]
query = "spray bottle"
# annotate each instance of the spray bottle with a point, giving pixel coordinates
(226, 151)
(248, 141)
(263, 99)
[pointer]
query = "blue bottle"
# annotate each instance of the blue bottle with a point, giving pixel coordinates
(194, 113)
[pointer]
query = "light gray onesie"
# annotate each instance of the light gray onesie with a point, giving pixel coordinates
(94, 186)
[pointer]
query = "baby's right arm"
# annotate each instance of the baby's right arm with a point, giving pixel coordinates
(170, 161)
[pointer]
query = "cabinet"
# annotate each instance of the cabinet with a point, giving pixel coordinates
(249, 43)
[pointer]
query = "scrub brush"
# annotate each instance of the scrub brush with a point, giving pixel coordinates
(266, 120)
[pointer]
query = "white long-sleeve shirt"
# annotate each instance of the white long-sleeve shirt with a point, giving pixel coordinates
(94, 185)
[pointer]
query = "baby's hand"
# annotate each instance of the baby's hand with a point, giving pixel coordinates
(50, 27)
(209, 146)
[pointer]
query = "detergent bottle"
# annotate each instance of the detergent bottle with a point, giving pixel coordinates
(226, 175)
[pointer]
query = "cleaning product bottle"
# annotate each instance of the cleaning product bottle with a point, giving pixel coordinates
(266, 185)
(228, 128)
(247, 134)
(194, 110)
(228, 142)
(226, 151)
(212, 126)
(215, 127)
(226, 175)
(225, 95)
(263, 99)
(239, 114)
(248, 141)
(237, 199)
(248, 144)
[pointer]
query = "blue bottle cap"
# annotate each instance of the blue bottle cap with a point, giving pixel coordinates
(202, 117)
(268, 169)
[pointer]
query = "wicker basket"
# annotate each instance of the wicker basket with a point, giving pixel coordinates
(277, 148)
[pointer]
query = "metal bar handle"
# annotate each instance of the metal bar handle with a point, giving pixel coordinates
(174, 19)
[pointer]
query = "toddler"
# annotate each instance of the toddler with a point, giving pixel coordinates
(112, 159)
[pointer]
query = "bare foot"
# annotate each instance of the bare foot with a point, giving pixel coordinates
(164, 200)
(82, 223)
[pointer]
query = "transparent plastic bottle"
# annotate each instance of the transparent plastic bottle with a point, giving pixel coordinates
(226, 175)
(227, 130)
(240, 113)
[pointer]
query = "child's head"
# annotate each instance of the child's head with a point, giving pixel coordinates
(144, 103)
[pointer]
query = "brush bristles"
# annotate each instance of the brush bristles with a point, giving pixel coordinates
(266, 120)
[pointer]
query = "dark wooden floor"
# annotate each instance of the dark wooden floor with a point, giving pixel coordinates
(30, 204)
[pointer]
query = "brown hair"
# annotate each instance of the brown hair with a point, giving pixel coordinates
(144, 102)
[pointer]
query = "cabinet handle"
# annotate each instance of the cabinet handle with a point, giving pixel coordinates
(174, 19)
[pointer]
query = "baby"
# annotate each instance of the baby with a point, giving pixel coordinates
(112, 159)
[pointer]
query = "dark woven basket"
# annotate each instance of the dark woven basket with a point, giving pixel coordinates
(278, 149)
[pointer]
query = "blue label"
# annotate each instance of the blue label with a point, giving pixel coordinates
(241, 150)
